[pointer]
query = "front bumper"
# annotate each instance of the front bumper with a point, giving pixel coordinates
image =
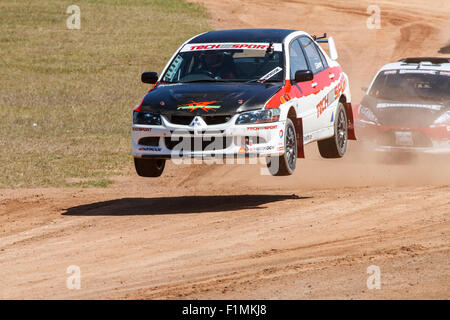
(227, 140)
(427, 140)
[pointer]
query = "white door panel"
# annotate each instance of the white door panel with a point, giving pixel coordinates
(306, 109)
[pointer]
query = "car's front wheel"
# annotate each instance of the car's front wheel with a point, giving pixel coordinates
(284, 165)
(149, 167)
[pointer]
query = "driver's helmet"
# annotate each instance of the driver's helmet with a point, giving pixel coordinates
(213, 59)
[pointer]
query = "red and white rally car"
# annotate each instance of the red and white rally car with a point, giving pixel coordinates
(407, 108)
(248, 92)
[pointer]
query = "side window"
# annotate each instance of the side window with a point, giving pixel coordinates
(378, 85)
(297, 59)
(312, 55)
(324, 61)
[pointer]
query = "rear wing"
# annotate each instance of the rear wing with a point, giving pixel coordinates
(418, 60)
(331, 46)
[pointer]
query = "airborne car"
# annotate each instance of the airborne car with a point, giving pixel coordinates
(407, 108)
(248, 92)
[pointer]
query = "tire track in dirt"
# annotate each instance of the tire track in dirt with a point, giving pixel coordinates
(220, 253)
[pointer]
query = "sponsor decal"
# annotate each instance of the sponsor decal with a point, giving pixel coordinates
(162, 103)
(262, 128)
(229, 45)
(323, 104)
(150, 149)
(270, 74)
(390, 72)
(330, 98)
(307, 137)
(266, 148)
(445, 73)
(409, 105)
(332, 117)
(205, 106)
(242, 150)
(240, 101)
(281, 133)
(340, 88)
(418, 71)
(285, 98)
(175, 65)
(280, 148)
(142, 129)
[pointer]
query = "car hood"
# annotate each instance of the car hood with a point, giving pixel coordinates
(208, 98)
(405, 113)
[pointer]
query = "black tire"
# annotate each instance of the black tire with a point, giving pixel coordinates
(336, 146)
(285, 165)
(149, 167)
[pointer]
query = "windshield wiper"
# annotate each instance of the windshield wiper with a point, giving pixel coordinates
(262, 81)
(203, 80)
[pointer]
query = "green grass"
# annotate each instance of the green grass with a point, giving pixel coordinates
(100, 183)
(66, 96)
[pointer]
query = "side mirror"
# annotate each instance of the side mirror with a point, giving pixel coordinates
(303, 75)
(149, 77)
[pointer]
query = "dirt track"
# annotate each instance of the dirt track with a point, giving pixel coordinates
(226, 231)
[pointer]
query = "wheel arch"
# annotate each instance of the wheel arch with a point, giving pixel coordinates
(298, 124)
(349, 114)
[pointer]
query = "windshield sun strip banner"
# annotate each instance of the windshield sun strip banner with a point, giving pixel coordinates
(418, 71)
(230, 45)
(409, 105)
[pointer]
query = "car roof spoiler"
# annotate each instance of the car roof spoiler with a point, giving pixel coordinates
(432, 60)
(331, 46)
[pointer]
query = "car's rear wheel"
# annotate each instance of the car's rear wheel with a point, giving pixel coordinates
(149, 167)
(284, 165)
(336, 146)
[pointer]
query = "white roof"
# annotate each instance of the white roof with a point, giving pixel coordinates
(400, 65)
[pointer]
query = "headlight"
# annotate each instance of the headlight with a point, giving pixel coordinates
(146, 118)
(259, 116)
(367, 114)
(443, 118)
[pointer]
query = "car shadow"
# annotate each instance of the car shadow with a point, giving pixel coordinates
(176, 205)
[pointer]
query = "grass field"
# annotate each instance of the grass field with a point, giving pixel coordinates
(66, 95)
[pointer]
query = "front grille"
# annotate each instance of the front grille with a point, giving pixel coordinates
(406, 117)
(194, 132)
(149, 141)
(183, 120)
(198, 143)
(209, 119)
(212, 120)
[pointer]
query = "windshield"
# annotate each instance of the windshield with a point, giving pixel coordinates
(412, 85)
(232, 65)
